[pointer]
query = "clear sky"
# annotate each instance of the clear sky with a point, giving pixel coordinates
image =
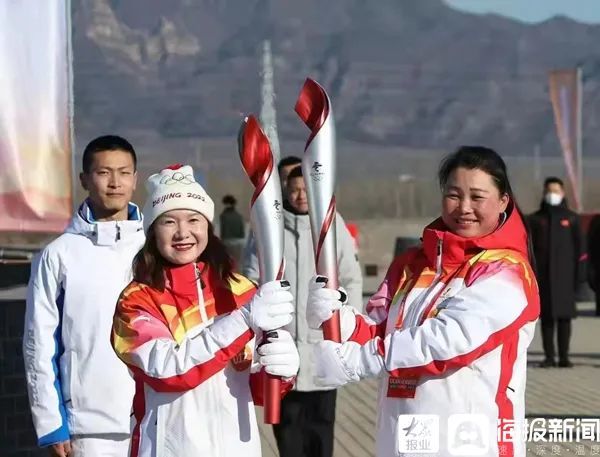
(533, 10)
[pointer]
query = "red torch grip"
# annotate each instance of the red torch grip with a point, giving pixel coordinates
(272, 399)
(331, 328)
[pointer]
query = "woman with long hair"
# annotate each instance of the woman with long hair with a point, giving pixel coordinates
(185, 327)
(448, 329)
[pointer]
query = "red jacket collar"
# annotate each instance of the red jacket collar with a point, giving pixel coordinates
(456, 250)
(182, 279)
(181, 284)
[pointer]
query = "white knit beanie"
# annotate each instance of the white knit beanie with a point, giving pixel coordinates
(175, 188)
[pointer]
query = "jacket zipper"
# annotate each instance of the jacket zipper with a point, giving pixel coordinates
(201, 306)
(211, 383)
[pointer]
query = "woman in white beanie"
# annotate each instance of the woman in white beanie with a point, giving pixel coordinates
(185, 327)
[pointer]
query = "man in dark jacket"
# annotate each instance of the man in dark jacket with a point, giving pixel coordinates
(231, 222)
(593, 249)
(232, 227)
(557, 245)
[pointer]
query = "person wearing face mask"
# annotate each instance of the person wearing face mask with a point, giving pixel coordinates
(448, 329)
(185, 327)
(308, 413)
(559, 257)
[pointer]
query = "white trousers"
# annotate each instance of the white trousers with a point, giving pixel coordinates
(110, 445)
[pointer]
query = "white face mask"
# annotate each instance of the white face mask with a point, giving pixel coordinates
(553, 199)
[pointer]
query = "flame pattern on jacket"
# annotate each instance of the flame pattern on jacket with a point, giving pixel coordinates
(451, 322)
(190, 350)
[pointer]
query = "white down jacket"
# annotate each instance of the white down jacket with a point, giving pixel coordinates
(76, 383)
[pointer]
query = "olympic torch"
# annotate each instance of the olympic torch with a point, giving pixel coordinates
(266, 220)
(319, 169)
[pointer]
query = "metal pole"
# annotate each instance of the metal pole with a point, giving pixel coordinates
(579, 138)
(268, 116)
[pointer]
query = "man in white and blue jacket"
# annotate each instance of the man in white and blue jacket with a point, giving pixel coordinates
(79, 391)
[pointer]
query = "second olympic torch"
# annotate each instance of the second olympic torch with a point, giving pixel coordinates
(266, 219)
(319, 170)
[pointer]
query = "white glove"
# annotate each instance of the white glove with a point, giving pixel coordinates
(340, 363)
(279, 354)
(270, 308)
(322, 302)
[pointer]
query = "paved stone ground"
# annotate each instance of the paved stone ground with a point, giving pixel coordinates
(551, 393)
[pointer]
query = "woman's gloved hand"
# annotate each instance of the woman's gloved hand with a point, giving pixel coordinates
(279, 354)
(271, 307)
(322, 302)
(338, 364)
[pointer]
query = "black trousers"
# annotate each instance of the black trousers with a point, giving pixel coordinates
(563, 327)
(306, 426)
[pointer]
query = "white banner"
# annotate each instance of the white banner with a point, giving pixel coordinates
(35, 115)
(565, 95)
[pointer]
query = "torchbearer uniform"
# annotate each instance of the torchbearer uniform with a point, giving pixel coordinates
(447, 332)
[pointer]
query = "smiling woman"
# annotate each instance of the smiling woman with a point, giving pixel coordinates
(475, 191)
(186, 325)
(464, 302)
(181, 236)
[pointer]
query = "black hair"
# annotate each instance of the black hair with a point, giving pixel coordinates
(480, 158)
(295, 173)
(229, 200)
(490, 162)
(287, 161)
(553, 180)
(106, 143)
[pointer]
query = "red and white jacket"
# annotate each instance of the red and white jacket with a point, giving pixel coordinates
(190, 351)
(452, 321)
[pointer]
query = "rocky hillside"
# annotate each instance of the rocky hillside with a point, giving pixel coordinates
(400, 72)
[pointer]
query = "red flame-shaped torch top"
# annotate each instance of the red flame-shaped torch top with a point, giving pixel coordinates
(313, 107)
(255, 154)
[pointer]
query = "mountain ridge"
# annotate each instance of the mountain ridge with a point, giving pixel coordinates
(400, 73)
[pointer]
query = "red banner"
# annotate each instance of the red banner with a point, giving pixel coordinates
(565, 94)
